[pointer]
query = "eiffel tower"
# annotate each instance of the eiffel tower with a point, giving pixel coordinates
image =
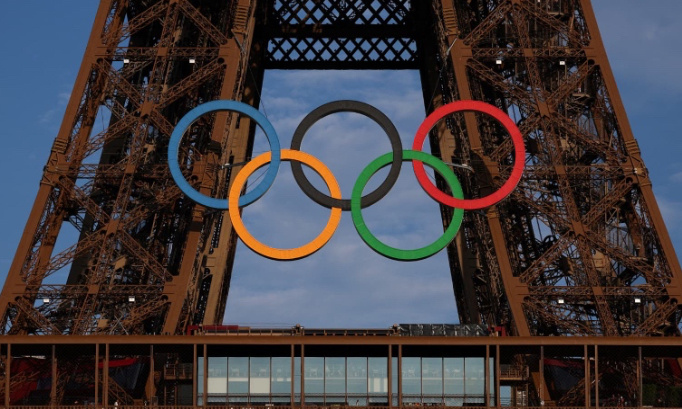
(578, 249)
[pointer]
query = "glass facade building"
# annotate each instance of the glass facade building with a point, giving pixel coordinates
(344, 380)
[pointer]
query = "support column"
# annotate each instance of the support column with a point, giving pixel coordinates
(596, 376)
(390, 377)
(105, 373)
(542, 376)
(460, 54)
(53, 390)
(151, 385)
(8, 374)
(640, 385)
(97, 402)
(498, 403)
(302, 375)
(486, 371)
(204, 385)
(293, 375)
(194, 376)
(587, 376)
(400, 375)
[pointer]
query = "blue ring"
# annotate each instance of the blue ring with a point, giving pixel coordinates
(223, 105)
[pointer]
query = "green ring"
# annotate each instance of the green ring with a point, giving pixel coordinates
(391, 252)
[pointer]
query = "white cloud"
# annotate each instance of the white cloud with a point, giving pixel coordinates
(670, 211)
(53, 115)
(640, 40)
(346, 283)
(676, 177)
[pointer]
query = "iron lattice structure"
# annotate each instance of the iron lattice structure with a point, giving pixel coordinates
(580, 247)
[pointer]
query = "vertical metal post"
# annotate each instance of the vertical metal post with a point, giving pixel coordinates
(293, 375)
(195, 372)
(486, 371)
(542, 376)
(152, 389)
(324, 380)
(596, 376)
(248, 379)
(400, 375)
(105, 374)
(97, 402)
(53, 390)
(390, 376)
(498, 402)
(640, 385)
(204, 385)
(8, 374)
(442, 384)
(586, 353)
(302, 375)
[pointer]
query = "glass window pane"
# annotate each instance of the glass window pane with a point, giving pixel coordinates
(474, 380)
(217, 379)
(378, 375)
(432, 379)
(281, 375)
(357, 377)
(237, 377)
(335, 379)
(411, 379)
(260, 376)
(378, 381)
(453, 381)
(314, 379)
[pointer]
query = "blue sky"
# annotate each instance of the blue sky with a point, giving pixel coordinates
(345, 284)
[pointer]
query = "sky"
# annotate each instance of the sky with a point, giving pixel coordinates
(345, 284)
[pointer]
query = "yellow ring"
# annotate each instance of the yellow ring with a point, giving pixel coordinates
(271, 252)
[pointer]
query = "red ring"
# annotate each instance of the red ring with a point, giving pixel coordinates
(491, 199)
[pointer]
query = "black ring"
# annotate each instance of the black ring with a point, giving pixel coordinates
(371, 113)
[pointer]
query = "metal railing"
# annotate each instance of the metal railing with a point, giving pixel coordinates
(274, 406)
(513, 372)
(178, 371)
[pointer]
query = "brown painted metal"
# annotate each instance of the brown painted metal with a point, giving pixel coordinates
(579, 248)
(138, 236)
(602, 242)
(643, 349)
(8, 376)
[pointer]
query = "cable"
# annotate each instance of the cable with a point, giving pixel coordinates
(440, 73)
(253, 77)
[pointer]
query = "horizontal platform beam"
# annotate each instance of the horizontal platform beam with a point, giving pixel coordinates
(359, 340)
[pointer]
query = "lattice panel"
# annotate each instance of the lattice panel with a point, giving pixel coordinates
(359, 12)
(394, 51)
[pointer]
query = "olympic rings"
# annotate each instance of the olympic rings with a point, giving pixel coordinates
(507, 187)
(360, 108)
(271, 252)
(334, 201)
(223, 105)
(391, 252)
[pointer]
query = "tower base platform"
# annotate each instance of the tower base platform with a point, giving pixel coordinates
(237, 367)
